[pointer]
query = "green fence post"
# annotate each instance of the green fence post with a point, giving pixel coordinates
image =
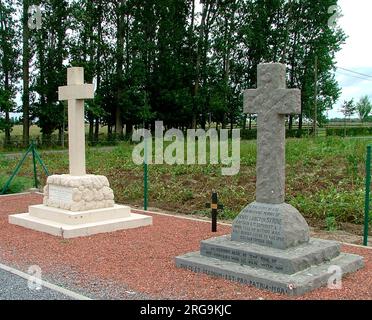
(145, 177)
(34, 163)
(367, 200)
(15, 172)
(41, 163)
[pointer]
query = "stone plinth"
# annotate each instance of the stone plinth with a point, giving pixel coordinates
(78, 206)
(78, 193)
(68, 224)
(279, 226)
(294, 271)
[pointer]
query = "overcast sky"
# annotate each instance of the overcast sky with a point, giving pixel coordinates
(356, 54)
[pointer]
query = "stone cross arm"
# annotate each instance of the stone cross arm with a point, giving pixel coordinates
(76, 92)
(280, 101)
(76, 89)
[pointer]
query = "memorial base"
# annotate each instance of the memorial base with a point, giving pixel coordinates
(293, 271)
(68, 224)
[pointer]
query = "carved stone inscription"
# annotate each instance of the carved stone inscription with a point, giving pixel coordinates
(243, 258)
(60, 193)
(240, 279)
(261, 225)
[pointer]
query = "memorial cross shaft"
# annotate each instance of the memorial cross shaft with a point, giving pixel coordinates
(75, 92)
(271, 101)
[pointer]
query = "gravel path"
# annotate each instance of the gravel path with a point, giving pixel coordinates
(139, 263)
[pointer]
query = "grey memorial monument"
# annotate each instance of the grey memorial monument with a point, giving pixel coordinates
(270, 246)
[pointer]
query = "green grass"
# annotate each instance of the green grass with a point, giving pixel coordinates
(325, 178)
(19, 184)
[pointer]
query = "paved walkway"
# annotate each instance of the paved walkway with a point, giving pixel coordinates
(16, 285)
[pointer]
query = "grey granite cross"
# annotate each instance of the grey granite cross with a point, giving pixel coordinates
(271, 101)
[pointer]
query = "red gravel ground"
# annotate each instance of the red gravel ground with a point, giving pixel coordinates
(143, 259)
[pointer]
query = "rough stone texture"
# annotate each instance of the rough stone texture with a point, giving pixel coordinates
(89, 192)
(288, 262)
(271, 101)
(296, 284)
(273, 225)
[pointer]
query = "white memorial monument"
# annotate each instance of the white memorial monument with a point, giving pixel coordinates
(78, 204)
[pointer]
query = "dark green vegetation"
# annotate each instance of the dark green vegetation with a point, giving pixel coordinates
(325, 179)
(169, 60)
(19, 185)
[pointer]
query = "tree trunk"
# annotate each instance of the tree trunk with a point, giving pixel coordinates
(118, 122)
(98, 66)
(120, 38)
(91, 128)
(26, 75)
(290, 122)
(245, 122)
(200, 50)
(129, 129)
(7, 111)
(7, 128)
(96, 130)
(60, 135)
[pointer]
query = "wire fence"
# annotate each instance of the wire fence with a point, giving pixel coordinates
(367, 205)
(57, 141)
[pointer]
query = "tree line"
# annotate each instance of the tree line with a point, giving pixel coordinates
(184, 62)
(362, 109)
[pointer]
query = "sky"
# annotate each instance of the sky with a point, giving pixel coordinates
(356, 53)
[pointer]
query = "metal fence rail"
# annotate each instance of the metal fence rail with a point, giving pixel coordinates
(368, 195)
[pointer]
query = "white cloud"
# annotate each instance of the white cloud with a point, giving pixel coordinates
(356, 53)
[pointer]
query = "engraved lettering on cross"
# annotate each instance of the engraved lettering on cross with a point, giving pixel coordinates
(75, 92)
(271, 101)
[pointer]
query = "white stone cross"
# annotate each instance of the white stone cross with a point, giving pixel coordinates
(271, 101)
(75, 92)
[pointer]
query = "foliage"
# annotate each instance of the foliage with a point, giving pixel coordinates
(9, 65)
(348, 108)
(171, 60)
(364, 108)
(325, 177)
(331, 224)
(19, 184)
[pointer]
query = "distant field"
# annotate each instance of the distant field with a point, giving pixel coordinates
(35, 131)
